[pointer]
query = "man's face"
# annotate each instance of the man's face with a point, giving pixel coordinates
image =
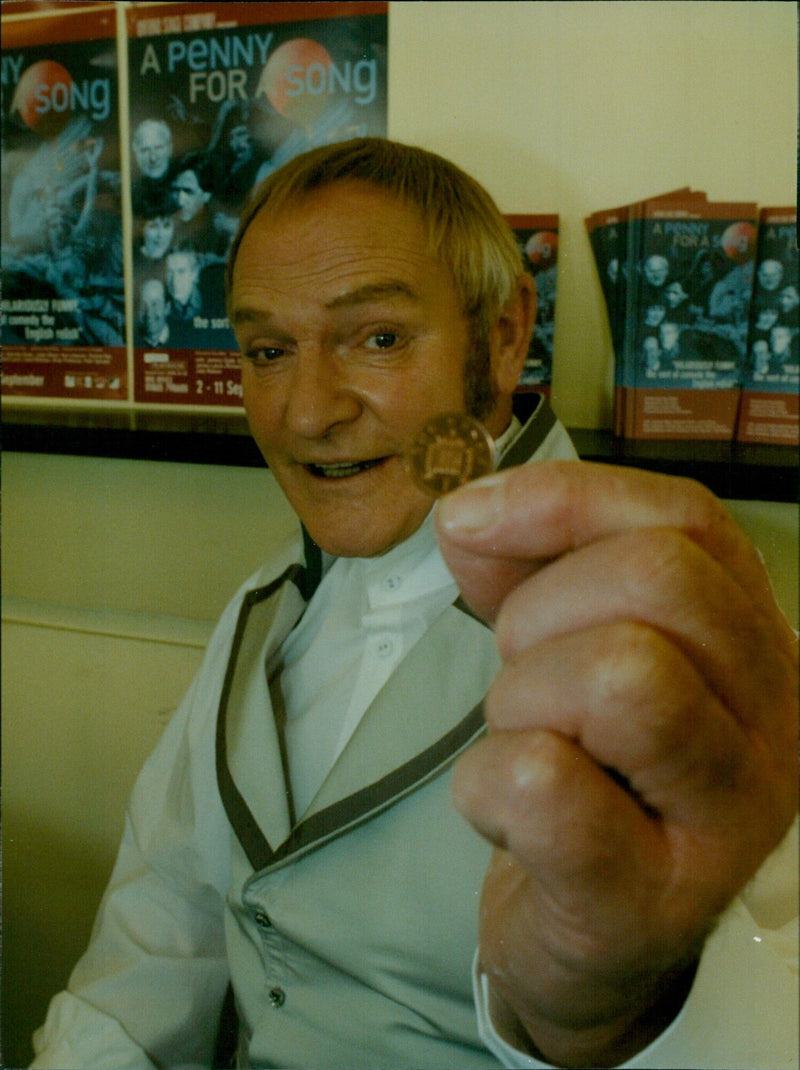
(674, 294)
(780, 340)
(189, 195)
(669, 335)
(352, 336)
(240, 142)
(152, 147)
(761, 355)
(770, 274)
(181, 276)
(652, 351)
(153, 308)
(656, 270)
(788, 299)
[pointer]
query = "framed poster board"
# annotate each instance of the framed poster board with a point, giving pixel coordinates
(133, 135)
(63, 303)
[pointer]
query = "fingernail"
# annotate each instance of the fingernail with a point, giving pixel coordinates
(473, 507)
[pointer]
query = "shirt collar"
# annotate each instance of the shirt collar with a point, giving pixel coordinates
(502, 443)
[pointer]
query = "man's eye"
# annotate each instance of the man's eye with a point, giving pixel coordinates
(264, 354)
(382, 340)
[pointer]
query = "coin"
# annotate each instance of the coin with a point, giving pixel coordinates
(450, 450)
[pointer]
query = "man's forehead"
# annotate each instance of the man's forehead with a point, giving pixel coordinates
(385, 292)
(154, 133)
(345, 244)
(370, 292)
(356, 202)
(342, 221)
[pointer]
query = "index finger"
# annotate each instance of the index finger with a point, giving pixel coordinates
(497, 530)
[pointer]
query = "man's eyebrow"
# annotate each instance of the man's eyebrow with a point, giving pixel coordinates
(247, 315)
(372, 291)
(361, 295)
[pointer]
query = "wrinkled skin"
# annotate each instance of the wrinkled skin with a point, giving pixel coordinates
(641, 759)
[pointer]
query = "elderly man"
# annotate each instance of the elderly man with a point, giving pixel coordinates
(152, 325)
(182, 275)
(589, 660)
(152, 150)
(197, 226)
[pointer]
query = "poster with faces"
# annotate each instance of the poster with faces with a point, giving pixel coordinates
(770, 404)
(63, 298)
(119, 202)
(220, 96)
(690, 279)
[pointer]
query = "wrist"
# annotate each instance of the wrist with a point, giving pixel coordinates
(606, 1041)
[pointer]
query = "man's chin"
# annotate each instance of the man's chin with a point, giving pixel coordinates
(364, 514)
(341, 544)
(358, 540)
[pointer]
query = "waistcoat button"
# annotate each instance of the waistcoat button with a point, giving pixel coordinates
(277, 997)
(262, 920)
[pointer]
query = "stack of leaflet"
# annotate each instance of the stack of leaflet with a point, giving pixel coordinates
(769, 403)
(677, 276)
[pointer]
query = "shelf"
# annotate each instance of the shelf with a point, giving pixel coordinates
(731, 470)
(150, 436)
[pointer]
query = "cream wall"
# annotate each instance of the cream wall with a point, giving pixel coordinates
(114, 570)
(575, 106)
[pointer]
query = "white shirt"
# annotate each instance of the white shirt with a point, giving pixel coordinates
(360, 623)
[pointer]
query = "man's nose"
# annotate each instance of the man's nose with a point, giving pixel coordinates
(320, 396)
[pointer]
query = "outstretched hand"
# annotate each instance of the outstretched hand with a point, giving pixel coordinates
(640, 762)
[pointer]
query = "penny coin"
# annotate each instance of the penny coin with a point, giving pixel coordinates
(450, 450)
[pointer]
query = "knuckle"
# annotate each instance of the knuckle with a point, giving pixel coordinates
(704, 510)
(535, 769)
(660, 563)
(562, 489)
(640, 674)
(633, 663)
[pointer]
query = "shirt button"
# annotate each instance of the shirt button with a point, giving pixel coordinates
(277, 997)
(385, 648)
(391, 583)
(262, 920)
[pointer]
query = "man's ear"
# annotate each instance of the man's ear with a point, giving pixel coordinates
(511, 335)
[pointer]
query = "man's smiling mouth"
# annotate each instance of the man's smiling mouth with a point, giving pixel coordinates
(343, 469)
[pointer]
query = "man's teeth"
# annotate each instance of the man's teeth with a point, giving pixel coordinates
(342, 469)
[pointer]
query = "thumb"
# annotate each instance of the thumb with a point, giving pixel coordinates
(468, 525)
